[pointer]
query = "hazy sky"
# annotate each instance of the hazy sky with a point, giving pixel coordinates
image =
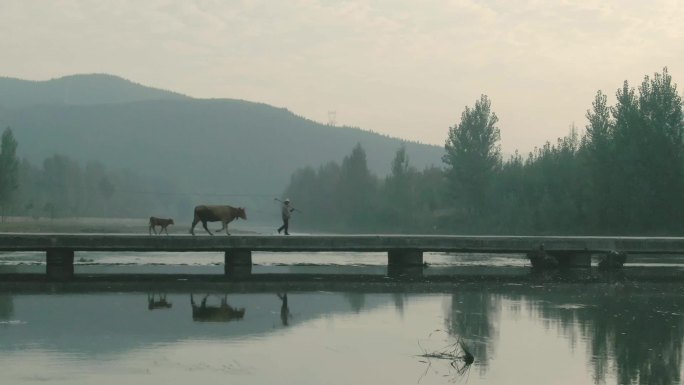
(404, 67)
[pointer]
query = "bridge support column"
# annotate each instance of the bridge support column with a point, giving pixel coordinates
(404, 258)
(238, 262)
(572, 258)
(405, 263)
(59, 264)
(404, 272)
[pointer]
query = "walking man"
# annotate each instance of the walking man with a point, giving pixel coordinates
(285, 211)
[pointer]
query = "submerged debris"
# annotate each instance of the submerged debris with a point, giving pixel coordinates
(456, 354)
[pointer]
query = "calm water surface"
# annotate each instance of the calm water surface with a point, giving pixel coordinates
(616, 331)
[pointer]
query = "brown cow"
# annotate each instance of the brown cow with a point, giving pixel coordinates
(163, 223)
(223, 214)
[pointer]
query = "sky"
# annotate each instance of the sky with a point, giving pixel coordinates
(404, 68)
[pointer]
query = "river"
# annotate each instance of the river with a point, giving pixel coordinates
(469, 319)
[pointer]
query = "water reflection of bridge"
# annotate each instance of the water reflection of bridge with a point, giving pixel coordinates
(402, 250)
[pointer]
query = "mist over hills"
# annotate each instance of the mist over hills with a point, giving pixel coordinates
(216, 150)
(77, 90)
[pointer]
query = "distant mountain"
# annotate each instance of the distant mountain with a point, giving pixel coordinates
(78, 90)
(209, 148)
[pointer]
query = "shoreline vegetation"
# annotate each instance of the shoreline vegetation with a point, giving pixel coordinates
(622, 174)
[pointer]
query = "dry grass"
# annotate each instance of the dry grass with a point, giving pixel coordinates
(455, 353)
(74, 225)
(94, 226)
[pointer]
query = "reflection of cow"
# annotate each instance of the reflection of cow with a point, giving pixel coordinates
(161, 303)
(223, 214)
(221, 313)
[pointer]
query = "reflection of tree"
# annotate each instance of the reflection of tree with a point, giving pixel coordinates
(472, 318)
(6, 307)
(356, 300)
(399, 302)
(639, 333)
(647, 337)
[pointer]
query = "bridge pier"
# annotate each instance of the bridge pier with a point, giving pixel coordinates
(404, 263)
(403, 258)
(59, 264)
(572, 258)
(402, 272)
(237, 262)
(553, 259)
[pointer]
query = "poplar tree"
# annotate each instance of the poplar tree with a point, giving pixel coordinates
(660, 107)
(356, 190)
(473, 154)
(648, 144)
(401, 202)
(9, 168)
(599, 160)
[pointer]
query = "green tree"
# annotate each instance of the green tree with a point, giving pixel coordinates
(27, 196)
(400, 164)
(400, 200)
(511, 205)
(598, 155)
(473, 154)
(316, 193)
(9, 168)
(550, 187)
(64, 182)
(648, 146)
(357, 190)
(629, 186)
(660, 107)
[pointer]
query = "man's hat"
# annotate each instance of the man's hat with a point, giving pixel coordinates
(287, 201)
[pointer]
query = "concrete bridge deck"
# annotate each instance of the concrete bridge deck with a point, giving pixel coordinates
(403, 250)
(341, 243)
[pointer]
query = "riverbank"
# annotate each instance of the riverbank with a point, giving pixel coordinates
(94, 226)
(75, 225)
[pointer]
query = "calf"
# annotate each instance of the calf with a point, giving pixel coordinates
(162, 222)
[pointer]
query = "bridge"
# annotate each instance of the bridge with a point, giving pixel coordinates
(402, 250)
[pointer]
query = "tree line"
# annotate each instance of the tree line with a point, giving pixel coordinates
(622, 175)
(62, 187)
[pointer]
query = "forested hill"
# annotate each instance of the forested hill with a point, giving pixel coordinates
(202, 146)
(77, 90)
